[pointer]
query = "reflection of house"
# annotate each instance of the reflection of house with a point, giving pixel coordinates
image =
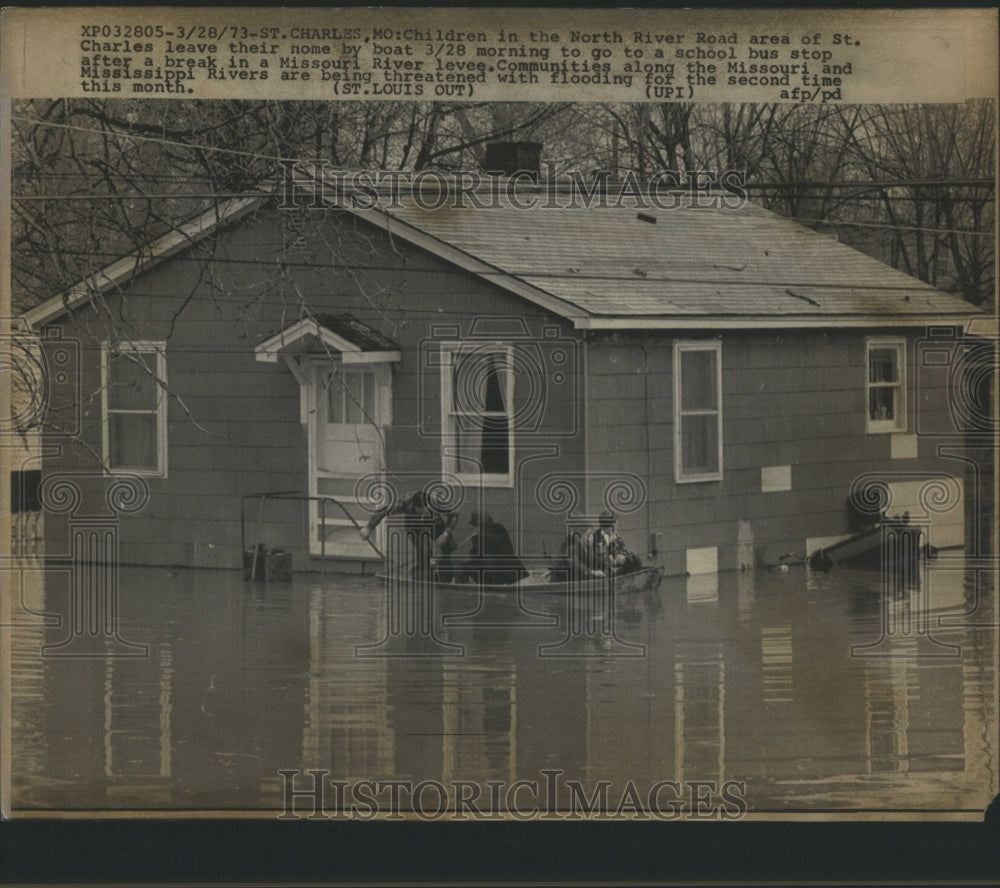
(138, 726)
(499, 713)
(480, 723)
(345, 724)
(204, 718)
(746, 369)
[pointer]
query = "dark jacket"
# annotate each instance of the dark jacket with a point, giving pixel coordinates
(493, 557)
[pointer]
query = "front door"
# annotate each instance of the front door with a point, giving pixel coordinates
(349, 411)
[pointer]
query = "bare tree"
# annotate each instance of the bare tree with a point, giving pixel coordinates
(936, 191)
(95, 180)
(911, 185)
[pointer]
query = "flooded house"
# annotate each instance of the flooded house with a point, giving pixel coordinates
(725, 380)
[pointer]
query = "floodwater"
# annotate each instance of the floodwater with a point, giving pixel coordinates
(757, 692)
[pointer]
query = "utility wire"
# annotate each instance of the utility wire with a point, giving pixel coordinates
(874, 183)
(404, 271)
(835, 222)
(144, 195)
(332, 172)
(965, 231)
(192, 146)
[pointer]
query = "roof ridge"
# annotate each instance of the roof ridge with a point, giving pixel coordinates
(489, 254)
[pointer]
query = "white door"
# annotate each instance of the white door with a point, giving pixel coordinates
(347, 443)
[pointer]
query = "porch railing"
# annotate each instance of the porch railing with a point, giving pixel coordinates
(324, 502)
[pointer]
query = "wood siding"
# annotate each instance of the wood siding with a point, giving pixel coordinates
(796, 398)
(233, 422)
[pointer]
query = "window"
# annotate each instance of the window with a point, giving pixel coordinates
(477, 393)
(351, 397)
(698, 411)
(134, 398)
(886, 385)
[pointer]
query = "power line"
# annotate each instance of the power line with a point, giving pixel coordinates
(566, 184)
(886, 183)
(874, 183)
(500, 273)
(964, 231)
(142, 195)
(172, 142)
(227, 195)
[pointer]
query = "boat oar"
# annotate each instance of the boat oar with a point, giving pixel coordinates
(407, 565)
(468, 539)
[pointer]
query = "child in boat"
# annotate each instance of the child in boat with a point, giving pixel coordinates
(602, 552)
(492, 560)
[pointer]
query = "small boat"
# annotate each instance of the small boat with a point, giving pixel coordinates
(871, 548)
(647, 579)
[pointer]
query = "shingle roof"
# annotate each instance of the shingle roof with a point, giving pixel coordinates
(125, 269)
(692, 261)
(368, 339)
(602, 266)
(344, 333)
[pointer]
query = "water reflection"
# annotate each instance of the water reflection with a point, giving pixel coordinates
(747, 677)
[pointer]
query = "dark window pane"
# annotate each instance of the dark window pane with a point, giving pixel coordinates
(481, 444)
(353, 395)
(466, 443)
(479, 383)
(495, 396)
(24, 491)
(466, 396)
(883, 365)
(495, 456)
(882, 403)
(480, 426)
(351, 398)
(132, 440)
(131, 382)
(368, 395)
(335, 399)
(700, 445)
(698, 381)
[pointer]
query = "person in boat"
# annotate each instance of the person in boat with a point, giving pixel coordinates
(602, 552)
(416, 508)
(492, 560)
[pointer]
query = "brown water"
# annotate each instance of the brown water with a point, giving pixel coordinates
(745, 678)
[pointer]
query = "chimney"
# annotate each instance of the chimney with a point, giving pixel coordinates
(509, 158)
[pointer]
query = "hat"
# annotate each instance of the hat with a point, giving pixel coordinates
(607, 518)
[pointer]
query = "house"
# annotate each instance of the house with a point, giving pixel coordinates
(721, 377)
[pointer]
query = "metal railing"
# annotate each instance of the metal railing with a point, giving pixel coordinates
(295, 495)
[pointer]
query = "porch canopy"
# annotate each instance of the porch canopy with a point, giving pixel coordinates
(353, 341)
(322, 339)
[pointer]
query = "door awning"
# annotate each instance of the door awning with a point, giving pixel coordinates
(353, 340)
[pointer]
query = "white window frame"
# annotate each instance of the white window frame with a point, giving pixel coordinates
(159, 349)
(900, 422)
(450, 464)
(333, 380)
(680, 347)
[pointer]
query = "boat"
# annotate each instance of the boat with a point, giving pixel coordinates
(868, 549)
(647, 579)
